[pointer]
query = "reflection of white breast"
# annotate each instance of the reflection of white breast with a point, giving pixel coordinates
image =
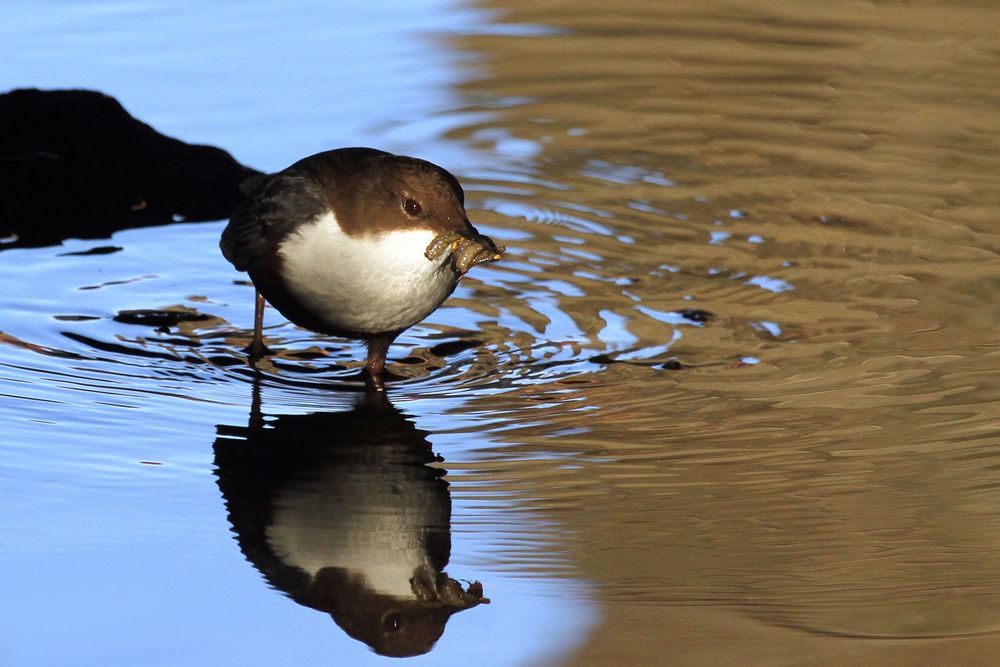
(364, 284)
(366, 521)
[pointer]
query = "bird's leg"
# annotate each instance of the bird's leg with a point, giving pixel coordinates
(378, 348)
(257, 344)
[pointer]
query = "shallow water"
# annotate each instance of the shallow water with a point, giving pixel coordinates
(732, 398)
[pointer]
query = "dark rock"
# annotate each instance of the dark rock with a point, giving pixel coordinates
(452, 347)
(159, 318)
(99, 250)
(603, 359)
(74, 163)
(696, 315)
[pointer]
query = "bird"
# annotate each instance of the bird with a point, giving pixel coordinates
(356, 243)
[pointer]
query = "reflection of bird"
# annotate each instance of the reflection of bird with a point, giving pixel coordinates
(341, 512)
(355, 242)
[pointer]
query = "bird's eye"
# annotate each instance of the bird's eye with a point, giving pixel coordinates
(412, 207)
(392, 622)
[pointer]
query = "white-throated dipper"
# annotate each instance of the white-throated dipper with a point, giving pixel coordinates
(354, 242)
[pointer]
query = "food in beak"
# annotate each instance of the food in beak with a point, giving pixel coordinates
(465, 251)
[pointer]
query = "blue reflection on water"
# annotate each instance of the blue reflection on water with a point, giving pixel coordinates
(771, 284)
(115, 543)
(107, 559)
(269, 81)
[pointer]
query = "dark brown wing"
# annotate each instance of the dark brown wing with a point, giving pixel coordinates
(275, 206)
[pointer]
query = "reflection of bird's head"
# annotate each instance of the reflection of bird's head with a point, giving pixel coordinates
(390, 625)
(342, 512)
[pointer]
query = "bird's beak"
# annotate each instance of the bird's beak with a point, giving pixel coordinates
(472, 234)
(475, 249)
(437, 588)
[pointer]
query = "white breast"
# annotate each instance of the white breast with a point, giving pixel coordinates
(384, 548)
(368, 284)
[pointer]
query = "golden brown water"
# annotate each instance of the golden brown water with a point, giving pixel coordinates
(732, 398)
(836, 502)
